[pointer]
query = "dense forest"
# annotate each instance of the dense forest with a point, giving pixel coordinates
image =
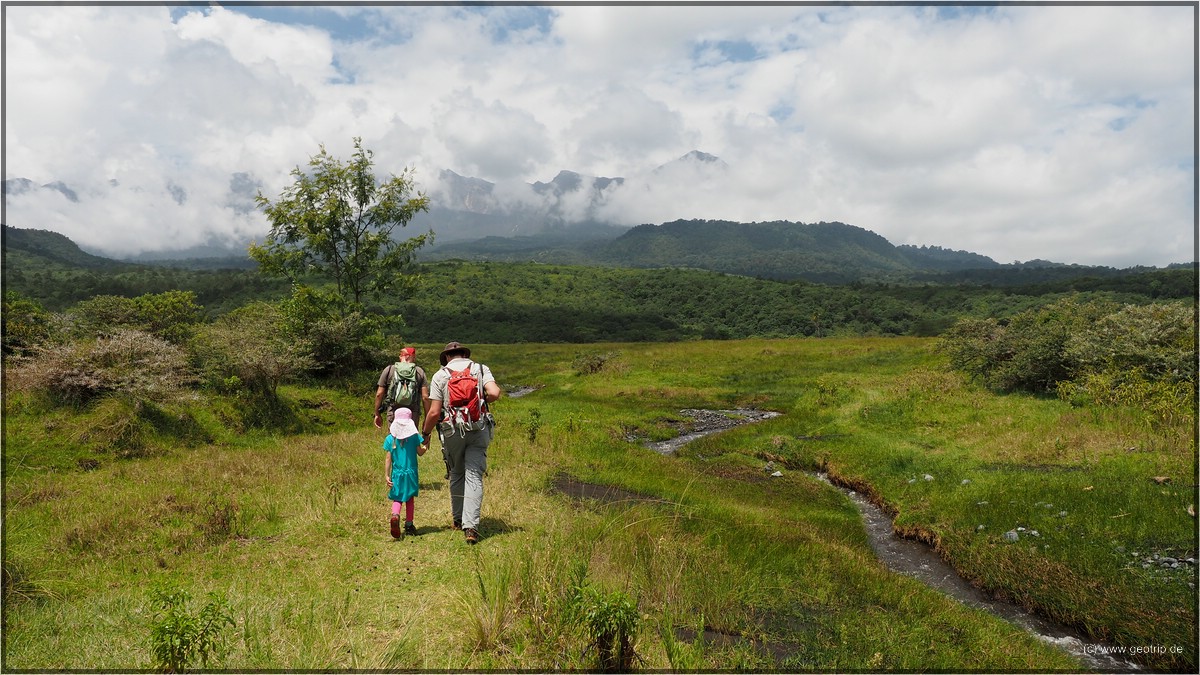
(530, 302)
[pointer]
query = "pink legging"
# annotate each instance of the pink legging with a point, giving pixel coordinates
(408, 508)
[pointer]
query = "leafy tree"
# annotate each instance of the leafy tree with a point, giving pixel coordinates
(337, 222)
(335, 226)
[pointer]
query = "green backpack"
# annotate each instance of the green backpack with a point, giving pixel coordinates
(402, 388)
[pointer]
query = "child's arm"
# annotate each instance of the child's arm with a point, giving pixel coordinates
(387, 468)
(421, 446)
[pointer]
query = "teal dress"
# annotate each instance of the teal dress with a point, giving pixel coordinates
(404, 466)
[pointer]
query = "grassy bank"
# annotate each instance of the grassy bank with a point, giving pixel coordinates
(729, 568)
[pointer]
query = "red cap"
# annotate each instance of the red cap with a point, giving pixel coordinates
(408, 351)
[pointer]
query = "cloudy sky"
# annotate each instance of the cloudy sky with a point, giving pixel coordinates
(1018, 132)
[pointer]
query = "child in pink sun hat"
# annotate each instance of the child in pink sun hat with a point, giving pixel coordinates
(403, 445)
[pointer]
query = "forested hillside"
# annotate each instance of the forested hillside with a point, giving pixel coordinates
(514, 302)
(532, 302)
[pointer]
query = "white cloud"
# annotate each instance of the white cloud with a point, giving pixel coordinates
(1017, 132)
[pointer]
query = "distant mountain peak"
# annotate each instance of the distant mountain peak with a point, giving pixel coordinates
(697, 156)
(694, 162)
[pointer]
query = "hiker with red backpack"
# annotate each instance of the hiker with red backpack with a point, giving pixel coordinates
(401, 385)
(459, 395)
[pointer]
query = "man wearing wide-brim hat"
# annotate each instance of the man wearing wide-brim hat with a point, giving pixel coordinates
(465, 428)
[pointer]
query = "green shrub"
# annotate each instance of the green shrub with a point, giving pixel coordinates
(24, 324)
(337, 341)
(611, 620)
(248, 352)
(180, 636)
(1154, 341)
(171, 316)
(1091, 353)
(593, 362)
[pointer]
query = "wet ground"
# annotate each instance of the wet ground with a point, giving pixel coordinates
(517, 390)
(903, 556)
(705, 422)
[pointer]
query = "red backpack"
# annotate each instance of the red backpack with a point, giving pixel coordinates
(464, 397)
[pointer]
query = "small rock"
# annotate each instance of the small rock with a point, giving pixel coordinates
(1161, 480)
(979, 528)
(1020, 529)
(1034, 533)
(1190, 561)
(769, 467)
(966, 481)
(1062, 514)
(1011, 536)
(911, 481)
(777, 474)
(928, 477)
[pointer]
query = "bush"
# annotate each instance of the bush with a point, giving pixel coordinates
(611, 620)
(1097, 352)
(23, 324)
(593, 362)
(1140, 356)
(247, 352)
(129, 362)
(171, 316)
(180, 636)
(1156, 341)
(336, 341)
(1029, 353)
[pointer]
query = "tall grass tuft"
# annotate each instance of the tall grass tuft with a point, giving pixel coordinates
(488, 617)
(21, 585)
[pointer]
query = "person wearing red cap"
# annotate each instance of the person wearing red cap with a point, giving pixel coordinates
(459, 396)
(420, 399)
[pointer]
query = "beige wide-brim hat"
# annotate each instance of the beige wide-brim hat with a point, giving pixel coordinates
(454, 347)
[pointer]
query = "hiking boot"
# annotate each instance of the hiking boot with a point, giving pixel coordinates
(410, 529)
(457, 524)
(472, 535)
(397, 533)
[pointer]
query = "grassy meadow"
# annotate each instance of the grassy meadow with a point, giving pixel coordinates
(729, 567)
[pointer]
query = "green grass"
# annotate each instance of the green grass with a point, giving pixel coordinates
(292, 530)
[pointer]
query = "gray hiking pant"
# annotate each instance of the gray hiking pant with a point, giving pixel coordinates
(467, 459)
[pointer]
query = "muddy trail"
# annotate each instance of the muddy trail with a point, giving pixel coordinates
(900, 555)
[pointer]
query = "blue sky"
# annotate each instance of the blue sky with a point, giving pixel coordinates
(1018, 132)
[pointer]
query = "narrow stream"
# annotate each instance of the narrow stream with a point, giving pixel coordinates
(914, 558)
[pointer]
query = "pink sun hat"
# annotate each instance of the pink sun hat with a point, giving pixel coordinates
(402, 425)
